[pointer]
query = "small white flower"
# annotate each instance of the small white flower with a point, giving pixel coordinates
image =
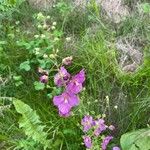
(68, 39)
(45, 26)
(45, 56)
(54, 23)
(48, 17)
(116, 107)
(43, 36)
(36, 36)
(53, 27)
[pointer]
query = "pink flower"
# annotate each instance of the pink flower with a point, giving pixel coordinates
(106, 141)
(75, 85)
(99, 127)
(87, 123)
(62, 77)
(65, 102)
(87, 141)
(44, 79)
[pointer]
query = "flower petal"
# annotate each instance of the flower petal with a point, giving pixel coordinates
(64, 108)
(57, 100)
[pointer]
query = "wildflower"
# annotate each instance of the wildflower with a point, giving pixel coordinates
(116, 148)
(68, 39)
(36, 36)
(65, 102)
(43, 36)
(87, 123)
(106, 141)
(116, 107)
(44, 79)
(62, 77)
(45, 56)
(99, 127)
(67, 60)
(75, 85)
(54, 23)
(53, 27)
(48, 17)
(87, 141)
(40, 16)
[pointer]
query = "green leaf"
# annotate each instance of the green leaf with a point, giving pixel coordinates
(31, 124)
(17, 78)
(25, 66)
(137, 140)
(39, 85)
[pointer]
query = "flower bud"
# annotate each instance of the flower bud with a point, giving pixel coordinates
(44, 79)
(67, 60)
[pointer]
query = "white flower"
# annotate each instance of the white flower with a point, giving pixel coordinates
(116, 107)
(45, 56)
(36, 36)
(68, 39)
(54, 23)
(53, 27)
(48, 17)
(43, 36)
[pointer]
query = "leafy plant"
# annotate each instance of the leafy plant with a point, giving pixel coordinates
(137, 140)
(31, 124)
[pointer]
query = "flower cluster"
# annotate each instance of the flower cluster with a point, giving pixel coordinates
(72, 85)
(95, 129)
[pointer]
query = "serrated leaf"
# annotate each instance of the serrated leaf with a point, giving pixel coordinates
(137, 140)
(25, 66)
(31, 124)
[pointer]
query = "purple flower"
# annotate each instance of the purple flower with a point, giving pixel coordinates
(106, 141)
(62, 77)
(87, 141)
(99, 127)
(44, 79)
(75, 85)
(65, 102)
(87, 123)
(116, 148)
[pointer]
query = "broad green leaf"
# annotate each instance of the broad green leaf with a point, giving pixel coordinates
(137, 140)
(25, 66)
(39, 85)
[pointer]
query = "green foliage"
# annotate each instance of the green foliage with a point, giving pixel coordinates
(146, 7)
(39, 85)
(25, 66)
(136, 140)
(31, 124)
